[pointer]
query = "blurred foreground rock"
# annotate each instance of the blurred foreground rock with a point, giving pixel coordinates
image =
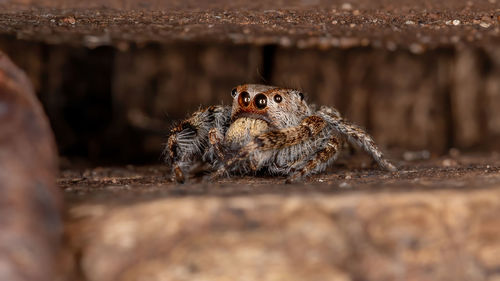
(433, 235)
(30, 203)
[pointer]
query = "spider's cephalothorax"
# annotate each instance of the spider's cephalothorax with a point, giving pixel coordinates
(267, 129)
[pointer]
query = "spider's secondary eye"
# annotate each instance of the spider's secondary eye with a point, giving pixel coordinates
(278, 98)
(301, 95)
(260, 101)
(234, 92)
(244, 99)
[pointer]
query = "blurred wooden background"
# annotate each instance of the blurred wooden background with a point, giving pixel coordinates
(110, 105)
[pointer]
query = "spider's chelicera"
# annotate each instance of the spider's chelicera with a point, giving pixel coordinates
(267, 129)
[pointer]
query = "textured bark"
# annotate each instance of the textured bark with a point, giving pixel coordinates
(434, 235)
(30, 203)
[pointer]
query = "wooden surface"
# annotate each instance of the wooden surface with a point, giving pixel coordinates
(412, 25)
(434, 219)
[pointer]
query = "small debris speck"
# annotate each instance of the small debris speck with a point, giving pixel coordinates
(285, 41)
(410, 22)
(484, 24)
(449, 163)
(69, 20)
(455, 39)
(347, 6)
(416, 155)
(344, 185)
(453, 152)
(456, 22)
(416, 48)
(391, 46)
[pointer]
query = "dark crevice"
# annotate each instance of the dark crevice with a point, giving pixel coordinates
(447, 104)
(268, 55)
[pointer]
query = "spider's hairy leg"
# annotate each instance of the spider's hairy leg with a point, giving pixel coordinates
(355, 135)
(177, 174)
(189, 140)
(215, 138)
(325, 155)
(309, 128)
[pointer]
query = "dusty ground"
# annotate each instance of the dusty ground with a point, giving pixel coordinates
(117, 184)
(382, 24)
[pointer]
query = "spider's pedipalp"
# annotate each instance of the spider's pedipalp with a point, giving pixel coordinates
(215, 138)
(308, 128)
(276, 140)
(322, 158)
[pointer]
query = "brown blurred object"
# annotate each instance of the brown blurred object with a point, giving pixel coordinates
(30, 203)
(432, 235)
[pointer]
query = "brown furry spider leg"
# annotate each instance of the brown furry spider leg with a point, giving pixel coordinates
(356, 136)
(309, 127)
(330, 152)
(196, 140)
(215, 140)
(178, 175)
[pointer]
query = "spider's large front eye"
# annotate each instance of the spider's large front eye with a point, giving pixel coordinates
(234, 92)
(260, 101)
(244, 99)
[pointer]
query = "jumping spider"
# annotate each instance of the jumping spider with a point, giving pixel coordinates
(267, 129)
